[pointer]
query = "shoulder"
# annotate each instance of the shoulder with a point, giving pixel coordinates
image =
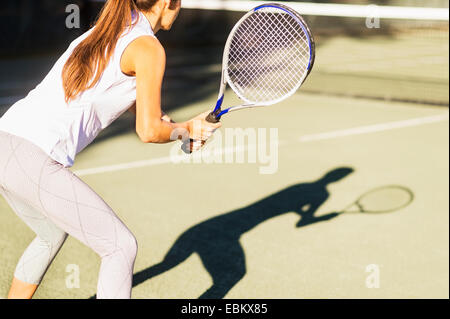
(143, 52)
(146, 46)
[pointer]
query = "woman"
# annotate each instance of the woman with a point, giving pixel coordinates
(115, 66)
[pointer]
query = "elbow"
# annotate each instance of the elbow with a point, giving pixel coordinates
(150, 133)
(150, 136)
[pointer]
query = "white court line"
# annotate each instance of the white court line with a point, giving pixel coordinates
(157, 161)
(375, 128)
(306, 138)
(124, 166)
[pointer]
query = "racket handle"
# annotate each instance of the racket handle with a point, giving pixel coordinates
(214, 117)
(187, 146)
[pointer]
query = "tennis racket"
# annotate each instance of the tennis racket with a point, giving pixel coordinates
(268, 55)
(385, 199)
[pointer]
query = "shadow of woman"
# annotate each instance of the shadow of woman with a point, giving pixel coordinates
(216, 240)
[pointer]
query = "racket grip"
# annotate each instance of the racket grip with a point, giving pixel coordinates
(187, 146)
(213, 117)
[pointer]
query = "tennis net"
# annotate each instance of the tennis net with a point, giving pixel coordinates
(396, 50)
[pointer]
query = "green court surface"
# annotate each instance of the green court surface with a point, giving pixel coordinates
(221, 216)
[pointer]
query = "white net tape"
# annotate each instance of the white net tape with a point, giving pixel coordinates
(268, 56)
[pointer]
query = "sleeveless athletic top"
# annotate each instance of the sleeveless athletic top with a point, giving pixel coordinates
(63, 129)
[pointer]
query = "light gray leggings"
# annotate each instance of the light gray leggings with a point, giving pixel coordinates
(54, 202)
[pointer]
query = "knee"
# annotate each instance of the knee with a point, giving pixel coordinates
(128, 244)
(60, 238)
(53, 240)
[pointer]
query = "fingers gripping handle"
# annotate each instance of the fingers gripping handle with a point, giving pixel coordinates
(213, 117)
(187, 146)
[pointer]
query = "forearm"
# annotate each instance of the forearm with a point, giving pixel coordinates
(164, 116)
(164, 131)
(145, 136)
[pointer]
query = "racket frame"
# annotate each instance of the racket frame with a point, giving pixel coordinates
(363, 210)
(217, 113)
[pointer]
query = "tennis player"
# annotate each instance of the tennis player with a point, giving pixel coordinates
(117, 65)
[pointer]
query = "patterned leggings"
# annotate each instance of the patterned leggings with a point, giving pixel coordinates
(55, 203)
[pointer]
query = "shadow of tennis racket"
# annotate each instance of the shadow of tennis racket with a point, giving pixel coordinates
(384, 199)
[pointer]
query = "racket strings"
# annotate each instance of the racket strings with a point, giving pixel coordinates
(268, 57)
(287, 56)
(273, 29)
(385, 199)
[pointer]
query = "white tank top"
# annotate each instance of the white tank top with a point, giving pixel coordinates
(63, 129)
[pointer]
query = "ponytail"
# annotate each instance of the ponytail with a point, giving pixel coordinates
(89, 59)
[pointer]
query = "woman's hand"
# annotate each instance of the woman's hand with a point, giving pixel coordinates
(201, 130)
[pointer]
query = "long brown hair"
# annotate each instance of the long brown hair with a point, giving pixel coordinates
(89, 59)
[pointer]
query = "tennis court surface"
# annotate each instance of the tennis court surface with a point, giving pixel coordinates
(373, 113)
